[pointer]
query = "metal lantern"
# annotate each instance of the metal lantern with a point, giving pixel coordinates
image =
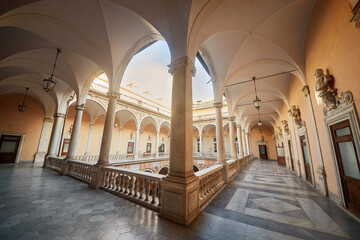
(49, 83)
(22, 107)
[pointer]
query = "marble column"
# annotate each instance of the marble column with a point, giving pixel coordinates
(226, 144)
(320, 170)
(219, 133)
(294, 141)
(119, 141)
(168, 146)
(250, 147)
(108, 130)
(75, 134)
(239, 136)
(55, 134)
(157, 143)
(201, 145)
(244, 142)
(180, 188)
(232, 138)
(44, 139)
(137, 143)
(247, 143)
(88, 146)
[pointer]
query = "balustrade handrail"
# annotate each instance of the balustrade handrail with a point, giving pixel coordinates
(203, 173)
(151, 176)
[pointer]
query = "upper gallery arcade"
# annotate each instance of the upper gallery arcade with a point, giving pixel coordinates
(284, 86)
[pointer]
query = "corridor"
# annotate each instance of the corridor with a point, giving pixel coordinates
(264, 201)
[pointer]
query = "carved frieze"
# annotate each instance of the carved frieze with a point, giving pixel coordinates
(286, 126)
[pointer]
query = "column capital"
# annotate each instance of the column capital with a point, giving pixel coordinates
(92, 124)
(306, 90)
(243, 130)
(218, 104)
(180, 64)
(47, 119)
(231, 119)
(80, 107)
(113, 94)
(238, 126)
(57, 115)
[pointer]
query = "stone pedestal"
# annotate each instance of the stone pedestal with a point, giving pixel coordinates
(55, 136)
(44, 138)
(322, 181)
(96, 177)
(180, 200)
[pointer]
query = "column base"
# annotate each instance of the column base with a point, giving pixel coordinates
(180, 199)
(322, 181)
(39, 157)
(96, 177)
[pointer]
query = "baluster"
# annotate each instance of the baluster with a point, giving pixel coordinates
(147, 189)
(153, 192)
(123, 182)
(136, 188)
(126, 184)
(141, 188)
(118, 182)
(104, 179)
(131, 184)
(160, 194)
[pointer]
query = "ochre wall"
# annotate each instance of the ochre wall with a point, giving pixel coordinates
(332, 43)
(267, 134)
(29, 122)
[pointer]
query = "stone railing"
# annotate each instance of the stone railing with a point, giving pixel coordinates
(211, 180)
(80, 170)
(164, 155)
(232, 167)
(55, 163)
(140, 187)
(121, 157)
(87, 158)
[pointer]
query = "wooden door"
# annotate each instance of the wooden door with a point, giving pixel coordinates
(348, 162)
(130, 148)
(65, 147)
(8, 148)
(306, 157)
(148, 148)
(262, 152)
(291, 158)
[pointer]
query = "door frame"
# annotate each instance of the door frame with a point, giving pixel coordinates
(342, 113)
(267, 148)
(302, 131)
(21, 142)
(266, 152)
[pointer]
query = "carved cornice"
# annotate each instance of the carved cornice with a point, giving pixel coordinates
(181, 64)
(306, 90)
(80, 107)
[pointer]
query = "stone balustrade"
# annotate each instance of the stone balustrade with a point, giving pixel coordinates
(87, 158)
(140, 187)
(80, 170)
(121, 157)
(232, 168)
(55, 163)
(211, 180)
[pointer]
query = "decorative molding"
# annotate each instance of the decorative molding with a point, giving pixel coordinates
(113, 95)
(47, 119)
(59, 115)
(80, 107)
(181, 64)
(296, 114)
(356, 14)
(218, 104)
(286, 126)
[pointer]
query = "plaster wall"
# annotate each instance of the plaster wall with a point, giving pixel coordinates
(267, 134)
(29, 122)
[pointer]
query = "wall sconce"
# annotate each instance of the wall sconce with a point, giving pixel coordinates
(115, 124)
(149, 137)
(131, 135)
(71, 128)
(22, 107)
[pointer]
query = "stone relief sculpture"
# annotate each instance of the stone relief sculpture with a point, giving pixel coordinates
(262, 138)
(279, 131)
(286, 126)
(295, 113)
(330, 97)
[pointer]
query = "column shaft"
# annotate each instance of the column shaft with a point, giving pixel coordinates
(108, 130)
(157, 144)
(232, 138)
(119, 141)
(219, 134)
(238, 131)
(55, 135)
(88, 146)
(75, 134)
(44, 139)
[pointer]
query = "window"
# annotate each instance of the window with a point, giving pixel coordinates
(162, 147)
(130, 147)
(215, 146)
(198, 144)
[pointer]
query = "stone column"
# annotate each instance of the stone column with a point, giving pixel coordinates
(320, 170)
(44, 139)
(226, 144)
(157, 143)
(180, 198)
(137, 143)
(209, 143)
(201, 146)
(243, 142)
(219, 134)
(294, 142)
(108, 130)
(55, 134)
(247, 143)
(88, 146)
(119, 141)
(250, 148)
(232, 138)
(239, 136)
(168, 146)
(75, 134)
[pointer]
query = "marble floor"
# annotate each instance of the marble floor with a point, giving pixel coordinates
(264, 201)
